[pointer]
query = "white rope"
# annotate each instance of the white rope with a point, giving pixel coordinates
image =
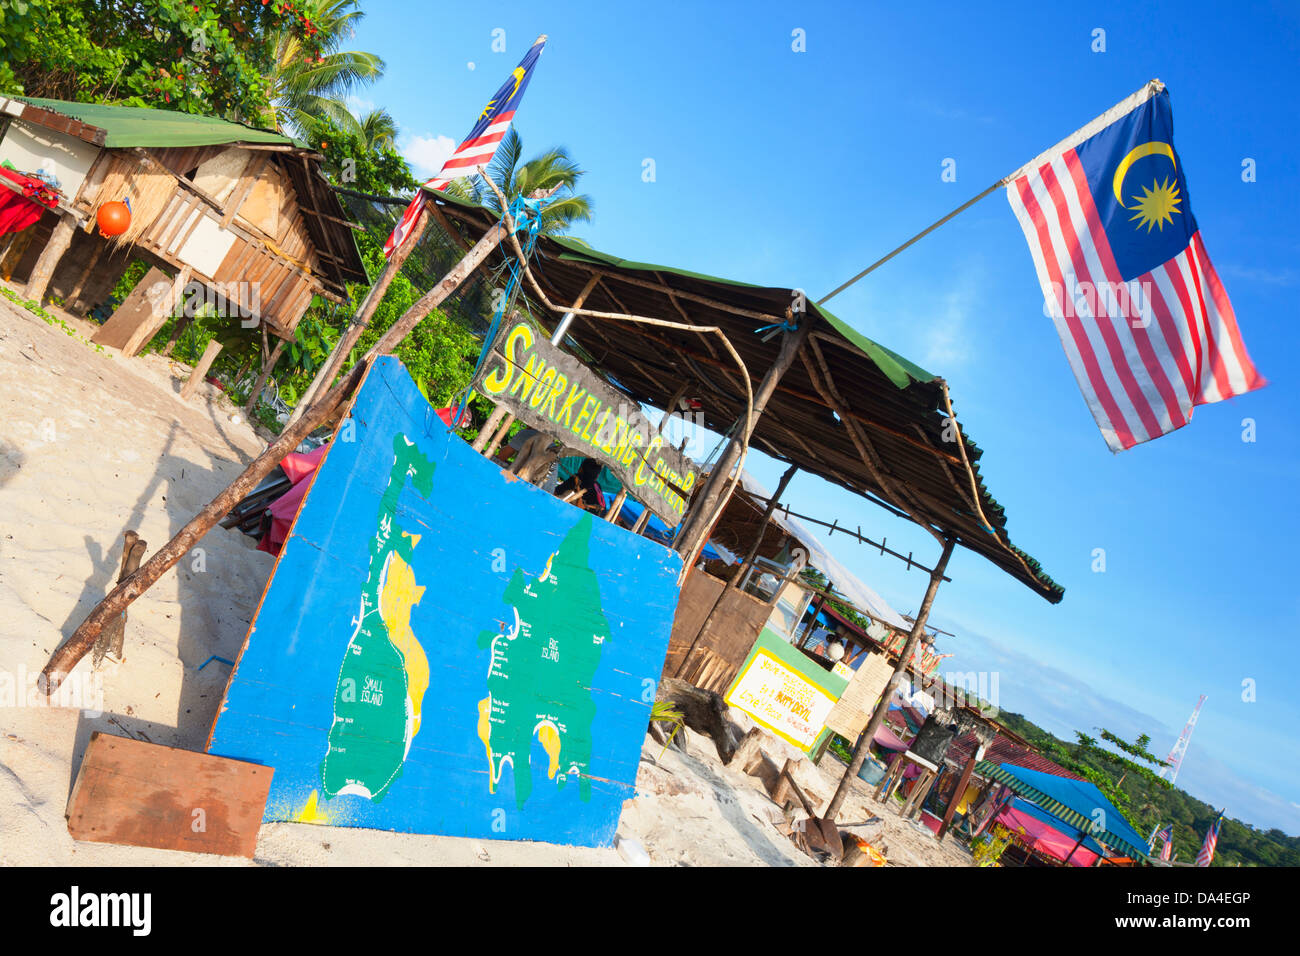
(646, 320)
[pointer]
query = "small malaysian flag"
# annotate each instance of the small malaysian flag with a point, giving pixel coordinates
(1144, 320)
(1166, 838)
(478, 147)
(1211, 839)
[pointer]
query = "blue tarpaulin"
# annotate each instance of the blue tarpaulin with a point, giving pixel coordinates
(1076, 802)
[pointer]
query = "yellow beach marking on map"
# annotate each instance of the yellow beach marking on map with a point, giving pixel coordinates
(485, 735)
(397, 594)
(311, 813)
(549, 737)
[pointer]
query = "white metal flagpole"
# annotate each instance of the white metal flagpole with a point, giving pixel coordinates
(1122, 108)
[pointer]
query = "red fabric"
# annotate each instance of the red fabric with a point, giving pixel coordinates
(1045, 839)
(17, 212)
(299, 469)
(888, 739)
(446, 413)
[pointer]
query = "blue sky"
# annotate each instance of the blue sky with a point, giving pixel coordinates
(799, 168)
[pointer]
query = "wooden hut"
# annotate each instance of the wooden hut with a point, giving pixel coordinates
(240, 214)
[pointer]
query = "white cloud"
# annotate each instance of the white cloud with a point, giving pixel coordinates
(358, 106)
(426, 154)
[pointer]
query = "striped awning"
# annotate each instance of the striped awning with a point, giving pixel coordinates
(1067, 814)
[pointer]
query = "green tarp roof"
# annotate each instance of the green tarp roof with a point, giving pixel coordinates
(850, 410)
(129, 126)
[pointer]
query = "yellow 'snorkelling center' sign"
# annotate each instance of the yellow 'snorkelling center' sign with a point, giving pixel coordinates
(559, 396)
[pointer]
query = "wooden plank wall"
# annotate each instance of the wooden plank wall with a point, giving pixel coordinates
(723, 647)
(284, 289)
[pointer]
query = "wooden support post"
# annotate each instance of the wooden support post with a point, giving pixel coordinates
(904, 658)
(762, 527)
(739, 575)
(500, 436)
(612, 514)
(962, 783)
(639, 525)
(701, 518)
(321, 412)
(112, 638)
(74, 297)
(267, 369)
(205, 362)
(489, 428)
(43, 270)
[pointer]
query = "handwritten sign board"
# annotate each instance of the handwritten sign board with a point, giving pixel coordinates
(553, 392)
(785, 691)
(849, 716)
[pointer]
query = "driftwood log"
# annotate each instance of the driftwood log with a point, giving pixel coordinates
(112, 637)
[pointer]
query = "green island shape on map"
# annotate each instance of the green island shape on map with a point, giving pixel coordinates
(385, 673)
(542, 668)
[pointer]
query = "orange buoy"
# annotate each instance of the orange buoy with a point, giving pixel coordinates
(113, 218)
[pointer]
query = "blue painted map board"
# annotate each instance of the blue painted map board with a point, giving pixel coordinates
(445, 649)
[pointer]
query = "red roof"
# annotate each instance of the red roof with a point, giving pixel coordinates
(1002, 750)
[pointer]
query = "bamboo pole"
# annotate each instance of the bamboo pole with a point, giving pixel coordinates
(489, 428)
(117, 600)
(904, 658)
(500, 436)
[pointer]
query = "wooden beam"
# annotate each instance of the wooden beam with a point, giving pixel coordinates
(196, 376)
(689, 296)
(247, 182)
(135, 793)
(49, 258)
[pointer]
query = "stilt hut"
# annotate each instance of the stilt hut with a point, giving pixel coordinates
(239, 215)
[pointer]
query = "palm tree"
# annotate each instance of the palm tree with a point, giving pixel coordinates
(551, 170)
(303, 87)
(377, 129)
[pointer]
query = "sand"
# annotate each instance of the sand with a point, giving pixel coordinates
(92, 444)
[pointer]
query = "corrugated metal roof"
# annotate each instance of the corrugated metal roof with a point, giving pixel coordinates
(128, 126)
(1002, 750)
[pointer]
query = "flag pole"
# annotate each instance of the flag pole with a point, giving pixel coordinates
(1123, 107)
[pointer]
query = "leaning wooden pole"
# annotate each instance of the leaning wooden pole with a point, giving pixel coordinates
(117, 600)
(702, 516)
(904, 658)
(361, 321)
